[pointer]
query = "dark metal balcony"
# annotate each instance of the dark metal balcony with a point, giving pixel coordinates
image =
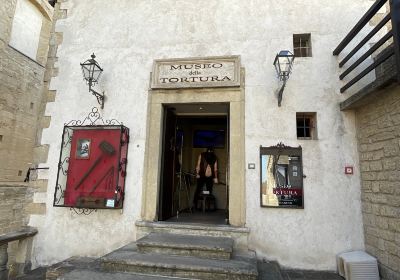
(386, 63)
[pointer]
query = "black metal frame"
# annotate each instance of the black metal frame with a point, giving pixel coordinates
(92, 121)
(394, 16)
(280, 149)
(28, 173)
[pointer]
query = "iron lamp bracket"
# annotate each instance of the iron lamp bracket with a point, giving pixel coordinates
(99, 96)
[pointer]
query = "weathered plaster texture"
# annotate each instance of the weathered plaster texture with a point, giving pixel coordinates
(378, 133)
(127, 36)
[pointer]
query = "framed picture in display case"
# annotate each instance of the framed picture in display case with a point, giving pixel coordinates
(281, 178)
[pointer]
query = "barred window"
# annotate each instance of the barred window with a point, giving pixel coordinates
(306, 126)
(302, 45)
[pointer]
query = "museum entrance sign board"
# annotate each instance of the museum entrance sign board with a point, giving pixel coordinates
(196, 72)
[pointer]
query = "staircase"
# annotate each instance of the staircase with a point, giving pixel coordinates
(181, 253)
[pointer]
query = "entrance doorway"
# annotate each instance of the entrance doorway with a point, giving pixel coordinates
(189, 130)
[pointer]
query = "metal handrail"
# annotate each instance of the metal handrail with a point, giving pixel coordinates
(394, 16)
(360, 24)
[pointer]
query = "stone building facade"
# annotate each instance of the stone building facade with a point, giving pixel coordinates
(378, 129)
(129, 35)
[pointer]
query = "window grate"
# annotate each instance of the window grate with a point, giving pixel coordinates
(302, 45)
(305, 124)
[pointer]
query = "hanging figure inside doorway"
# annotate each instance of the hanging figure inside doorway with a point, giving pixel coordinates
(206, 173)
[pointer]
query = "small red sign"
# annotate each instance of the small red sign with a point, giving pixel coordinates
(348, 170)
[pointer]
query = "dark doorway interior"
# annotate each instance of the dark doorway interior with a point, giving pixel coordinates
(168, 159)
(185, 138)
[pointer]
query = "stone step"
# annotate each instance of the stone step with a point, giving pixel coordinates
(186, 245)
(238, 234)
(129, 259)
(85, 274)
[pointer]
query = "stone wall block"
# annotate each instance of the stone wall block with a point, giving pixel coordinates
(382, 223)
(394, 225)
(392, 248)
(45, 122)
(376, 199)
(59, 37)
(394, 263)
(376, 155)
(382, 136)
(363, 147)
(367, 185)
(397, 236)
(36, 209)
(396, 119)
(369, 176)
(41, 153)
(367, 208)
(375, 186)
(372, 240)
(389, 163)
(364, 166)
(387, 273)
(391, 149)
(375, 166)
(389, 211)
(393, 201)
(383, 257)
(369, 220)
(61, 14)
(385, 122)
(51, 96)
(387, 187)
(39, 185)
(381, 244)
(387, 234)
(371, 231)
(376, 209)
(370, 249)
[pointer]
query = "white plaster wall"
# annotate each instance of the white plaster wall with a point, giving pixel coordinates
(26, 27)
(127, 35)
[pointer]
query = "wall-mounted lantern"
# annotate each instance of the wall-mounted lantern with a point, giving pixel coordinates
(283, 65)
(91, 74)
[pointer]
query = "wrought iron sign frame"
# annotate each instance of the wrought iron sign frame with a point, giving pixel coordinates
(92, 122)
(287, 196)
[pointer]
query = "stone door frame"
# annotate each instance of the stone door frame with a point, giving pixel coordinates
(235, 97)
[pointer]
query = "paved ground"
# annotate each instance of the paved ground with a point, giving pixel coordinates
(267, 271)
(271, 271)
(309, 275)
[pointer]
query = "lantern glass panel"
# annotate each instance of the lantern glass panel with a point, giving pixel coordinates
(85, 71)
(284, 64)
(96, 74)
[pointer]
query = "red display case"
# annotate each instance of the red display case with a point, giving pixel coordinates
(92, 167)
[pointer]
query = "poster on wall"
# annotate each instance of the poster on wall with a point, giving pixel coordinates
(281, 177)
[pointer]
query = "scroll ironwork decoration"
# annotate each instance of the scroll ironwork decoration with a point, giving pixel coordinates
(82, 211)
(93, 118)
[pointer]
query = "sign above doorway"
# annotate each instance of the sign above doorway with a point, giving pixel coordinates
(221, 71)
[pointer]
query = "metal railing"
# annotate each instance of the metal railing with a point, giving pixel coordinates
(394, 17)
